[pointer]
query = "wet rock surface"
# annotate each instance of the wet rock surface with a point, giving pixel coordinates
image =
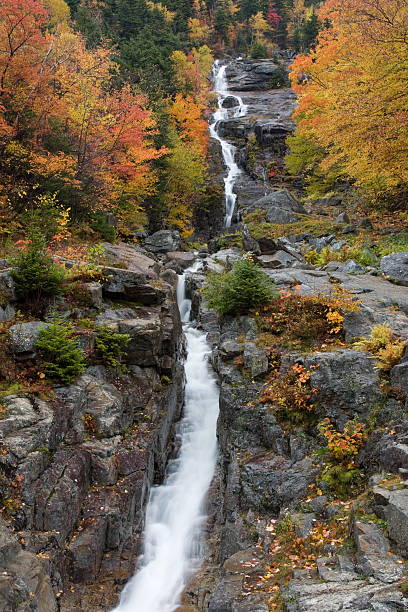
(246, 74)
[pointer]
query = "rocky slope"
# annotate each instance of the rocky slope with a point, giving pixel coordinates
(270, 474)
(76, 469)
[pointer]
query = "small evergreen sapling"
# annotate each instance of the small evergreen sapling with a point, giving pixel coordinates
(112, 346)
(35, 275)
(62, 358)
(244, 287)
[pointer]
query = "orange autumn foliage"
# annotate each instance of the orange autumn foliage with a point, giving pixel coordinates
(344, 444)
(188, 118)
(352, 93)
(63, 125)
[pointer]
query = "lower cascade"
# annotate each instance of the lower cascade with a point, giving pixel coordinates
(176, 510)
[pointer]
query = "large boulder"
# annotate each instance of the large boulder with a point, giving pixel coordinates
(280, 215)
(130, 257)
(347, 383)
(23, 337)
(280, 198)
(163, 241)
(227, 256)
(247, 74)
(395, 266)
(230, 102)
(280, 259)
(133, 286)
(133, 276)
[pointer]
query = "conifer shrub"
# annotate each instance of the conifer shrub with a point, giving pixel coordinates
(342, 480)
(259, 50)
(244, 287)
(112, 346)
(105, 229)
(63, 360)
(279, 79)
(35, 275)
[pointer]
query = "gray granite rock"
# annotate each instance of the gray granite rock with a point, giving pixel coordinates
(352, 267)
(281, 199)
(399, 376)
(23, 337)
(280, 259)
(255, 359)
(342, 218)
(347, 383)
(396, 514)
(162, 241)
(180, 260)
(395, 266)
(280, 215)
(25, 585)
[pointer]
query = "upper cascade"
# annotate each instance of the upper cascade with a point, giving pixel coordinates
(229, 107)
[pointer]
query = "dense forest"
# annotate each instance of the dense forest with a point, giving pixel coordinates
(103, 104)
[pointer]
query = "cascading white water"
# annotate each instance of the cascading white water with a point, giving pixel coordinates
(175, 512)
(228, 149)
(184, 304)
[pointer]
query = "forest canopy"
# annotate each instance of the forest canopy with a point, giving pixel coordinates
(353, 99)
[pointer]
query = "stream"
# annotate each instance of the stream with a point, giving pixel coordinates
(175, 513)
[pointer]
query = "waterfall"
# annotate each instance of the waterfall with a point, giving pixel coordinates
(184, 304)
(228, 149)
(175, 513)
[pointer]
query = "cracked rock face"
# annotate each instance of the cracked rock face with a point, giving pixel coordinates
(77, 468)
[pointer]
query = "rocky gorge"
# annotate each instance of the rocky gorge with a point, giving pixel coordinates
(77, 467)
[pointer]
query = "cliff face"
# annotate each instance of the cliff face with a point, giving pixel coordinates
(77, 469)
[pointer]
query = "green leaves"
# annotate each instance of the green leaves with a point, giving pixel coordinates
(112, 346)
(62, 357)
(245, 286)
(36, 277)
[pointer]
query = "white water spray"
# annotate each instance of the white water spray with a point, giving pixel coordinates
(176, 509)
(228, 149)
